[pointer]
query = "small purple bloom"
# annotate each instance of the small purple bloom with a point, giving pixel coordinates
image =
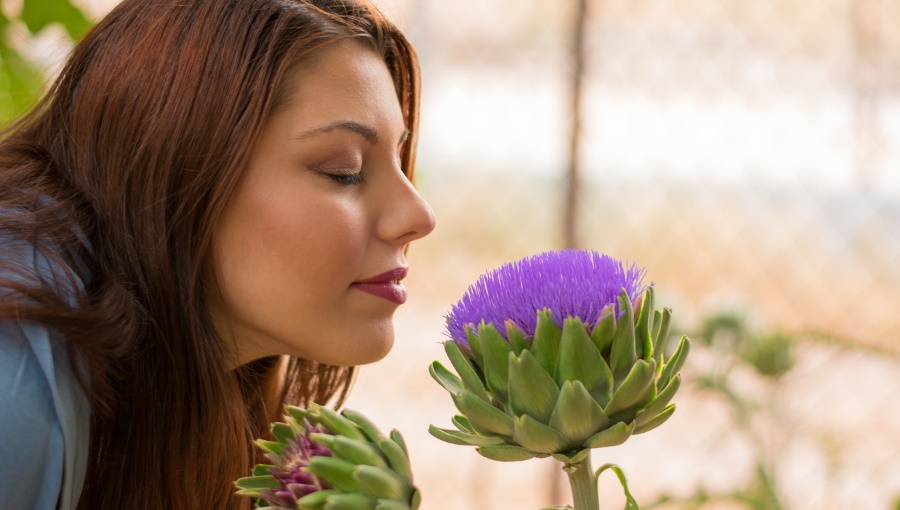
(290, 472)
(571, 283)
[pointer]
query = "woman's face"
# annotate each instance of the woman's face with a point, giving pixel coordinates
(309, 251)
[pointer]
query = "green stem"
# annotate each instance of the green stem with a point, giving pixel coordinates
(584, 485)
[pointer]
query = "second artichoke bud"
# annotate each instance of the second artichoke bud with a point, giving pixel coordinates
(566, 389)
(323, 460)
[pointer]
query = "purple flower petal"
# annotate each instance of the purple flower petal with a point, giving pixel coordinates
(571, 283)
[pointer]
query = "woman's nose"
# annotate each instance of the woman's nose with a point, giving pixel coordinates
(406, 215)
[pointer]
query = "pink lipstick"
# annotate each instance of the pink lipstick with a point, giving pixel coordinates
(386, 285)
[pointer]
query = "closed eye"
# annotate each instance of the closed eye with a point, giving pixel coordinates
(346, 179)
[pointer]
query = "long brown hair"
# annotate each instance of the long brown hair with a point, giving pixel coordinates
(119, 175)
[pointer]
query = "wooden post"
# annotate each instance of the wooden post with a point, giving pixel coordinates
(573, 177)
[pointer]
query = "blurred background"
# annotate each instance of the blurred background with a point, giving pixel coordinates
(747, 153)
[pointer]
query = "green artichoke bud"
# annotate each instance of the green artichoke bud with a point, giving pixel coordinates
(562, 390)
(324, 460)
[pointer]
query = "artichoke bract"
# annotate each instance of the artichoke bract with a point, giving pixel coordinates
(326, 460)
(555, 355)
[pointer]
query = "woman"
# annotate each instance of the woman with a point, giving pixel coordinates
(206, 218)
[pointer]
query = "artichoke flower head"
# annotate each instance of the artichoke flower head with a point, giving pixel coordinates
(556, 354)
(325, 460)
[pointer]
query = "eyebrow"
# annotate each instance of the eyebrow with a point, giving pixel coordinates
(366, 132)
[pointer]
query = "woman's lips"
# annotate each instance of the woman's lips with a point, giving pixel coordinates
(386, 285)
(394, 292)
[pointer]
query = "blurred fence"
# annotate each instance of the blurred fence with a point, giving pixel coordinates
(748, 155)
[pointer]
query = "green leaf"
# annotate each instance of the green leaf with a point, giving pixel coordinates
(463, 438)
(368, 428)
(630, 503)
(301, 415)
(656, 421)
(538, 437)
(506, 453)
(282, 432)
(623, 354)
(337, 424)
(381, 483)
(633, 389)
(24, 80)
(356, 501)
(516, 337)
(257, 483)
(605, 330)
(414, 501)
(396, 457)
(446, 378)
(649, 396)
(337, 472)
(270, 446)
(262, 469)
(316, 500)
(474, 346)
(579, 360)
(577, 416)
(643, 335)
(673, 366)
(573, 456)
(659, 403)
(532, 390)
(496, 352)
(352, 450)
(397, 438)
(462, 423)
(661, 335)
(457, 401)
(392, 504)
(326, 440)
(545, 345)
(466, 371)
(486, 419)
(613, 436)
(37, 14)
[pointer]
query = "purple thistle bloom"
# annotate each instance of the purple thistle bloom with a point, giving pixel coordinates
(571, 283)
(290, 472)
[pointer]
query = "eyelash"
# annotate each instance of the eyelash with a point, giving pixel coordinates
(347, 179)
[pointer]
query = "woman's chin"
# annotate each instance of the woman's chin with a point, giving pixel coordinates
(363, 353)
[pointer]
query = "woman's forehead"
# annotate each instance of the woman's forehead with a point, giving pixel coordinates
(348, 82)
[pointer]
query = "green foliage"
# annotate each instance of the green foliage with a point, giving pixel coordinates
(770, 355)
(22, 81)
(37, 14)
(630, 503)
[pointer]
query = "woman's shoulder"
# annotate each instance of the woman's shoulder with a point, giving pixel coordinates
(46, 415)
(46, 420)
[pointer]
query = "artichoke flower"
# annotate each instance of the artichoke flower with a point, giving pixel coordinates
(325, 460)
(557, 354)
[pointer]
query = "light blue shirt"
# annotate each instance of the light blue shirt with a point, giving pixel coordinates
(44, 414)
